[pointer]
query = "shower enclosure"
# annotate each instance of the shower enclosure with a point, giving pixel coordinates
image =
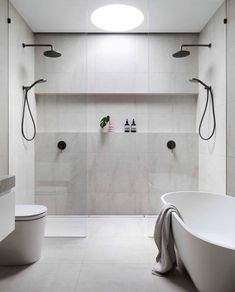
(82, 170)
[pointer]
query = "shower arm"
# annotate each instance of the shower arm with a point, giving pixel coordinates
(195, 45)
(38, 45)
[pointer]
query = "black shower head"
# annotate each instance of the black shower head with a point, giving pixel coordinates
(27, 88)
(181, 54)
(196, 80)
(184, 53)
(50, 53)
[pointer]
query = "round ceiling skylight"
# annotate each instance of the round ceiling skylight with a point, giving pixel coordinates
(117, 18)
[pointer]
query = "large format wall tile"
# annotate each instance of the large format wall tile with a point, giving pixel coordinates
(82, 113)
(21, 66)
(212, 70)
(230, 167)
(113, 173)
(116, 63)
(4, 85)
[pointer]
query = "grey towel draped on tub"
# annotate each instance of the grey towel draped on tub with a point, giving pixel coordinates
(166, 258)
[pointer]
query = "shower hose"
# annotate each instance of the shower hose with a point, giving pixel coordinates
(209, 94)
(26, 104)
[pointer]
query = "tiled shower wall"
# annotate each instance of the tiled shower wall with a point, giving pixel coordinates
(212, 70)
(124, 76)
(114, 173)
(116, 63)
(230, 98)
(21, 66)
(82, 113)
(4, 106)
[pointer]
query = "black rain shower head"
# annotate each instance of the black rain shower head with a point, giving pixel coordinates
(181, 54)
(50, 53)
(196, 80)
(184, 53)
(27, 88)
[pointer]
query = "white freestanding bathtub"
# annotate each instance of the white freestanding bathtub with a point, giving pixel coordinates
(205, 239)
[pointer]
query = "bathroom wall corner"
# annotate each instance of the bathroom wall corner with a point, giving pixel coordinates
(21, 72)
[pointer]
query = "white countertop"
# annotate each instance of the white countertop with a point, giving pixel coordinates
(6, 183)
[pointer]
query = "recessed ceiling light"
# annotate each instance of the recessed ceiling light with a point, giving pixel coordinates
(117, 17)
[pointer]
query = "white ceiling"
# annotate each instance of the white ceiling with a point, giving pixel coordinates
(74, 15)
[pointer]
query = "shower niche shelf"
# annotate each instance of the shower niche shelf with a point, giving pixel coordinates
(98, 94)
(83, 112)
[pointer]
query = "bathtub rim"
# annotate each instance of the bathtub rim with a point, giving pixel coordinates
(163, 199)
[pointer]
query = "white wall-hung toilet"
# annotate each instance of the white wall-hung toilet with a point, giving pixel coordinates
(23, 246)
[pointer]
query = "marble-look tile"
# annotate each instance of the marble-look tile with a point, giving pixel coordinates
(122, 203)
(101, 203)
(142, 202)
(122, 173)
(123, 143)
(45, 142)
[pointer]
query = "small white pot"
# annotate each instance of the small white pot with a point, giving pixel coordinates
(104, 130)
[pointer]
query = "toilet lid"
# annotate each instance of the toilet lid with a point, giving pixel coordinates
(29, 212)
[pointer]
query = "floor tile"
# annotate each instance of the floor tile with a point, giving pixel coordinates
(116, 256)
(120, 250)
(63, 250)
(41, 278)
(129, 278)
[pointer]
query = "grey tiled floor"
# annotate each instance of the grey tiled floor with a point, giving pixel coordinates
(117, 256)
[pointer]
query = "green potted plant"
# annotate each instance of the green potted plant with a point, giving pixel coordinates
(104, 122)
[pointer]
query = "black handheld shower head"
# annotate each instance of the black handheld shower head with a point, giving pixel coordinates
(26, 104)
(196, 80)
(27, 88)
(210, 96)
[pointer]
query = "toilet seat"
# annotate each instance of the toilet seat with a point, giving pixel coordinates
(29, 212)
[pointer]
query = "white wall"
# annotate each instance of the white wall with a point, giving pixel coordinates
(4, 127)
(21, 73)
(212, 70)
(230, 98)
(117, 64)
